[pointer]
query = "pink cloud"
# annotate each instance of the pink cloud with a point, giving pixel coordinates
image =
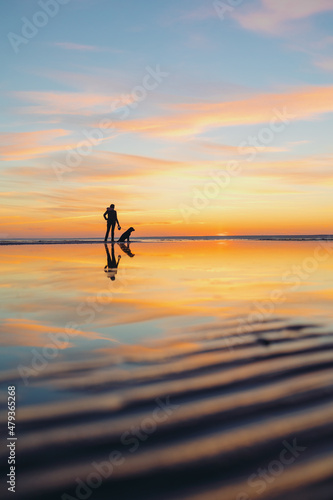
(69, 103)
(325, 63)
(274, 17)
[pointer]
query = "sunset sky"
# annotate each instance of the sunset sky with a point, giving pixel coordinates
(193, 117)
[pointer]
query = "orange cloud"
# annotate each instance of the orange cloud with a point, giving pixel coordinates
(275, 17)
(27, 145)
(188, 119)
(191, 119)
(141, 188)
(100, 166)
(312, 170)
(23, 145)
(226, 149)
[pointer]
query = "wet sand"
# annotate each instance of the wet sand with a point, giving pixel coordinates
(219, 405)
(200, 424)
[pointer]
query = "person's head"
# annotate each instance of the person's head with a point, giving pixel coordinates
(112, 205)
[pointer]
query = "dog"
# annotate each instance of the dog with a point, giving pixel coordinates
(126, 235)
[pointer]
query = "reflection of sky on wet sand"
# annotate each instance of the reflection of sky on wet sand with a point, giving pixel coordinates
(164, 288)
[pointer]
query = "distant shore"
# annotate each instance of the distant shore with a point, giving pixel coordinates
(161, 239)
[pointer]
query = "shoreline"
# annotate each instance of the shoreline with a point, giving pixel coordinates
(169, 239)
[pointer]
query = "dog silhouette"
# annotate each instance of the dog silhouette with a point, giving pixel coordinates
(126, 235)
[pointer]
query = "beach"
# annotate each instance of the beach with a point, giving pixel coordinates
(202, 371)
(160, 239)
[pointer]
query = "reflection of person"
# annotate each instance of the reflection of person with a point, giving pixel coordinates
(126, 249)
(110, 215)
(112, 264)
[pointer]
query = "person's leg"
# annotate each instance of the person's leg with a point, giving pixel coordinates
(107, 232)
(113, 258)
(108, 257)
(112, 232)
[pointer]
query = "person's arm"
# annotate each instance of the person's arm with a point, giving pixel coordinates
(117, 221)
(105, 215)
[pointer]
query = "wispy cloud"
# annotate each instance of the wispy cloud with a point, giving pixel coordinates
(25, 145)
(226, 149)
(193, 119)
(85, 48)
(324, 43)
(325, 63)
(274, 17)
(69, 103)
(198, 14)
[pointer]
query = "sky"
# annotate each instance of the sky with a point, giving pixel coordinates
(193, 117)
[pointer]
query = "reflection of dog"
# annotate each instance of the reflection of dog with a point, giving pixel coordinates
(126, 235)
(126, 249)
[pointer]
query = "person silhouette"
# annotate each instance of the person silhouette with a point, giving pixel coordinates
(110, 215)
(112, 264)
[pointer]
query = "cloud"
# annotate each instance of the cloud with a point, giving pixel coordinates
(70, 103)
(226, 149)
(277, 17)
(85, 48)
(24, 145)
(296, 171)
(109, 165)
(325, 63)
(192, 119)
(319, 51)
(100, 166)
(324, 43)
(40, 144)
(200, 13)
